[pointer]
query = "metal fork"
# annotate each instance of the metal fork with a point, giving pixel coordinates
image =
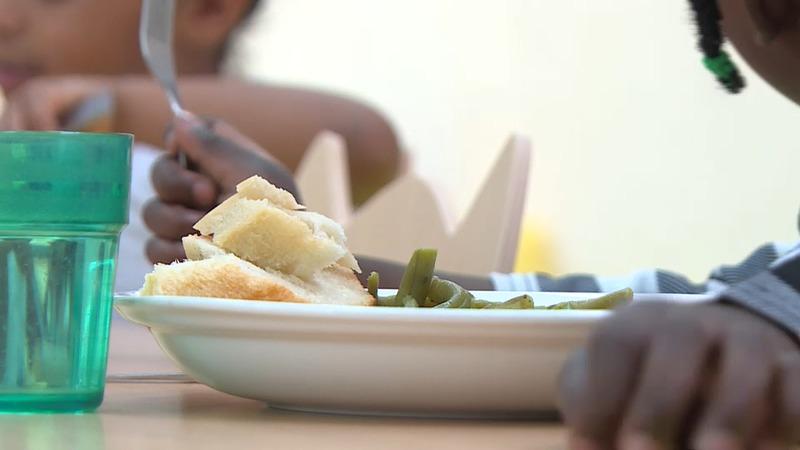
(156, 42)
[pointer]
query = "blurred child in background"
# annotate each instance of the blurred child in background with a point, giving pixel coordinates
(55, 55)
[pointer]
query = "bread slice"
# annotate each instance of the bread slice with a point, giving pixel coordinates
(257, 188)
(198, 248)
(260, 245)
(227, 276)
(267, 232)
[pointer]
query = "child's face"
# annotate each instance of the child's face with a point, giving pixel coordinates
(60, 37)
(778, 62)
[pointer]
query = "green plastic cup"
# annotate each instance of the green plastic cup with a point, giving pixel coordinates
(63, 204)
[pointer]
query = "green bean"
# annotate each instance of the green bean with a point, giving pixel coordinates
(459, 301)
(410, 302)
(480, 304)
(440, 292)
(446, 294)
(389, 300)
(419, 288)
(608, 301)
(417, 277)
(373, 282)
(521, 302)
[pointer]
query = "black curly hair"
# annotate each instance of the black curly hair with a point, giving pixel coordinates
(710, 40)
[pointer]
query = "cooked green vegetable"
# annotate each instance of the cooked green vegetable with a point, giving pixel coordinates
(480, 304)
(608, 301)
(389, 300)
(410, 302)
(521, 302)
(419, 288)
(446, 294)
(417, 277)
(373, 283)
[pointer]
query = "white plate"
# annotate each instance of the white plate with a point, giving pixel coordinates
(372, 360)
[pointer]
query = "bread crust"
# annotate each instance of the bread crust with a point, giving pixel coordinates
(228, 276)
(260, 245)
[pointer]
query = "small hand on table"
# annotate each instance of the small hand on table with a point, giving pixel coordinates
(702, 376)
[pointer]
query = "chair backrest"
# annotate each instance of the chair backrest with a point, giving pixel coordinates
(410, 214)
(402, 217)
(487, 238)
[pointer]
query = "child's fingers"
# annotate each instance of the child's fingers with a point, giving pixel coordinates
(32, 113)
(169, 221)
(739, 400)
(42, 104)
(580, 443)
(198, 141)
(663, 398)
(162, 251)
(226, 156)
(240, 141)
(789, 397)
(779, 430)
(10, 119)
(613, 360)
(21, 115)
(216, 146)
(572, 399)
(174, 184)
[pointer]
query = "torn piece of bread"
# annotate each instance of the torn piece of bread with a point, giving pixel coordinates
(260, 245)
(198, 248)
(227, 276)
(259, 225)
(257, 188)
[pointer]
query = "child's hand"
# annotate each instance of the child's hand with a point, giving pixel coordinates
(219, 158)
(43, 104)
(662, 376)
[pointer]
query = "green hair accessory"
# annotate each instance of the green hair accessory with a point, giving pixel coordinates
(720, 65)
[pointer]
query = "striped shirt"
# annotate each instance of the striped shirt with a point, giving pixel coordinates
(766, 282)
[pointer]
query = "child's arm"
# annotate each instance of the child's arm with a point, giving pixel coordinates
(282, 120)
(647, 281)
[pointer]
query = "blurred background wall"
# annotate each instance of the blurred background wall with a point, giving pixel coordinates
(640, 160)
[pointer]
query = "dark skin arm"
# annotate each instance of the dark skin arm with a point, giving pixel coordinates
(283, 120)
(222, 158)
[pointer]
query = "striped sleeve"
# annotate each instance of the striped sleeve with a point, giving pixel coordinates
(774, 294)
(649, 281)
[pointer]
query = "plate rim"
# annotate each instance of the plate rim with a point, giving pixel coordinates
(193, 304)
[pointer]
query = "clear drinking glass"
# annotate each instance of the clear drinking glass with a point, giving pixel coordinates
(63, 203)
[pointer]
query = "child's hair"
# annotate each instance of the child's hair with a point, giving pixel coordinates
(708, 17)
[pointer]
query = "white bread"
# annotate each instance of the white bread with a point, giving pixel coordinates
(259, 225)
(257, 188)
(258, 245)
(198, 248)
(227, 276)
